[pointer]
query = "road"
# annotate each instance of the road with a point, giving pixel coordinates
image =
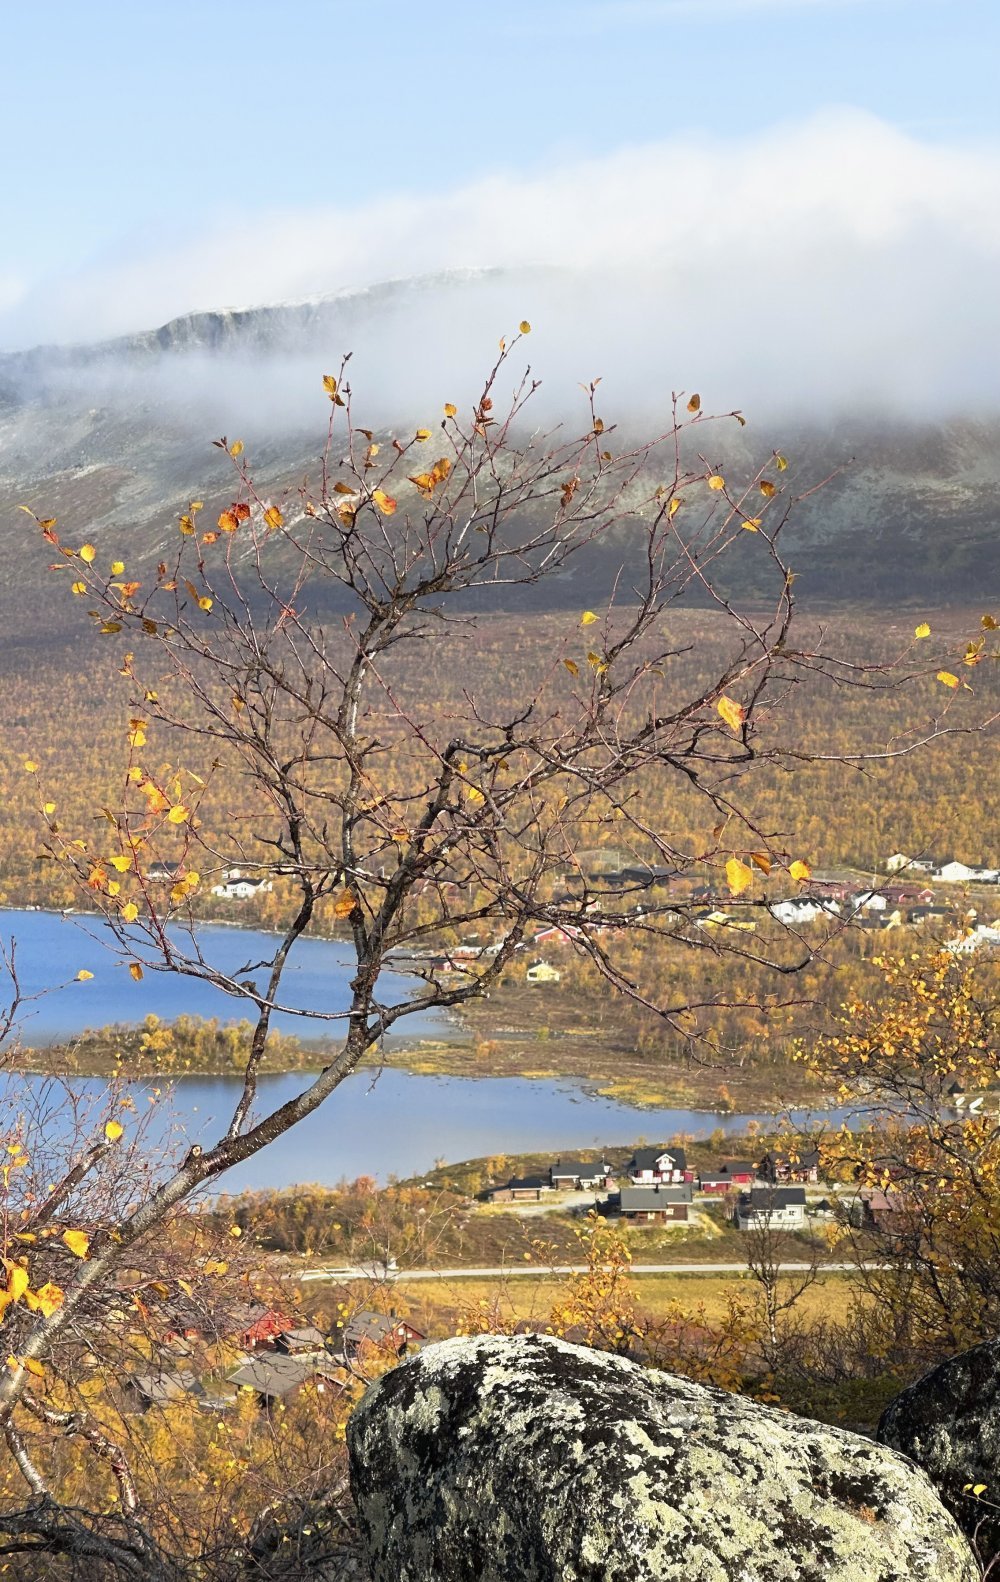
(540, 1271)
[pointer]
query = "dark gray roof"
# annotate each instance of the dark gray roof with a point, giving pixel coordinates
(731, 1167)
(274, 1375)
(161, 1388)
(764, 1198)
(374, 1327)
(645, 1158)
(653, 1199)
(577, 1167)
(524, 1184)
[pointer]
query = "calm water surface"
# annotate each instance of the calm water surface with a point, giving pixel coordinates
(392, 1123)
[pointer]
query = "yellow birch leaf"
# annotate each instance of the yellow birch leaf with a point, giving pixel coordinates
(732, 712)
(121, 864)
(77, 1241)
(135, 970)
(236, 448)
(205, 603)
(572, 666)
(475, 795)
(422, 434)
(78, 587)
(273, 517)
(30, 766)
(988, 623)
(83, 975)
(751, 523)
(18, 1281)
(675, 506)
(45, 1300)
(345, 904)
(800, 870)
(130, 912)
(228, 522)
(330, 384)
(738, 875)
(781, 462)
(588, 618)
(450, 409)
(32, 1365)
(717, 481)
(524, 327)
(694, 405)
(947, 679)
(385, 502)
(923, 630)
(761, 860)
(178, 814)
(117, 567)
(87, 553)
(113, 1130)
(767, 488)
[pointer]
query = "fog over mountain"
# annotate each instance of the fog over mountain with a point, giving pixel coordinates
(115, 436)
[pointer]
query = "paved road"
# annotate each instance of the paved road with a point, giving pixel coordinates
(540, 1271)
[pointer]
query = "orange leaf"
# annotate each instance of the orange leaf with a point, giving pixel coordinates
(385, 502)
(345, 904)
(135, 970)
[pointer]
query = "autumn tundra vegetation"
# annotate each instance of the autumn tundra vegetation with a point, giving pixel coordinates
(358, 693)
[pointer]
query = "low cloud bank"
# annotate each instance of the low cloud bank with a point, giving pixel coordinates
(824, 267)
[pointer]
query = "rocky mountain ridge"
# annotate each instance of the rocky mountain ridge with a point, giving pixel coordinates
(114, 438)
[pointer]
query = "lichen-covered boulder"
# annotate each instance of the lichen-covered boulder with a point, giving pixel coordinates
(949, 1424)
(524, 1459)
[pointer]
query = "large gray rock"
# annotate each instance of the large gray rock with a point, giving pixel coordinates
(949, 1424)
(524, 1459)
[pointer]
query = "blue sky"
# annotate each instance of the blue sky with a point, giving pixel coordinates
(164, 157)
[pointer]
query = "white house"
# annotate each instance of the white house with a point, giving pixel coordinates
(234, 887)
(802, 909)
(987, 934)
(965, 872)
(772, 1208)
(648, 1166)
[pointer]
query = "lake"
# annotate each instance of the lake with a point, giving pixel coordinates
(379, 1124)
(389, 1123)
(52, 948)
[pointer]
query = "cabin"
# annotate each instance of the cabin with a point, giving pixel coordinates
(370, 1332)
(235, 886)
(649, 1204)
(542, 972)
(735, 1172)
(967, 873)
(579, 1175)
(796, 1166)
(294, 1342)
(522, 1189)
(276, 1379)
(140, 1392)
(661, 1165)
(771, 1208)
(802, 909)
